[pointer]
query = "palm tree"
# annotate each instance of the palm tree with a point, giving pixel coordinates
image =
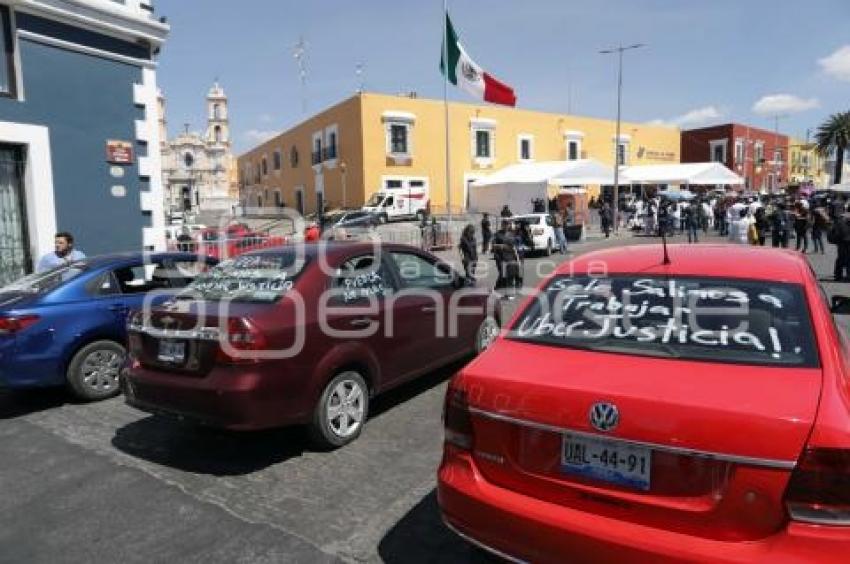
(834, 133)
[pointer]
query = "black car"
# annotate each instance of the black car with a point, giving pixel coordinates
(352, 219)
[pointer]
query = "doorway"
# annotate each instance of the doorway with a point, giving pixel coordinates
(15, 256)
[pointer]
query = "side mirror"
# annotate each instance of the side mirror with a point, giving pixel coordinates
(840, 305)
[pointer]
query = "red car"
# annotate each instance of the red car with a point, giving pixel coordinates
(303, 335)
(636, 411)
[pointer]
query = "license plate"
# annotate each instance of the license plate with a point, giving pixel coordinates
(607, 461)
(171, 351)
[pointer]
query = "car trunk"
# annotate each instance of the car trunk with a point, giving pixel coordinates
(747, 424)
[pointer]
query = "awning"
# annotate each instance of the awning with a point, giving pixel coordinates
(563, 173)
(699, 174)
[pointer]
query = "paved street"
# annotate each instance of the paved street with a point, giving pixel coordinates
(105, 483)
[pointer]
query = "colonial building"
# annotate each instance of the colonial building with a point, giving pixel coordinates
(79, 143)
(374, 141)
(760, 156)
(198, 170)
(806, 165)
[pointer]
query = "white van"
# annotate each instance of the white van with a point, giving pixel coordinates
(397, 201)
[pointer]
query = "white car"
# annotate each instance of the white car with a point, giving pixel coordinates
(542, 231)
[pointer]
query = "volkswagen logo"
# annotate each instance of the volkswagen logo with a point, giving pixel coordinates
(604, 416)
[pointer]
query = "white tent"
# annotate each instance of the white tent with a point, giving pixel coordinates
(843, 188)
(700, 174)
(520, 184)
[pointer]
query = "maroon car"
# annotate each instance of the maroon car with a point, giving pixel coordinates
(303, 335)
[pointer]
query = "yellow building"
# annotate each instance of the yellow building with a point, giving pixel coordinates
(805, 164)
(372, 141)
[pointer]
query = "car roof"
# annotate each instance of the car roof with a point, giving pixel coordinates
(129, 257)
(709, 260)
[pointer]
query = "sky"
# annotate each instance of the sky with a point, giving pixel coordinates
(705, 62)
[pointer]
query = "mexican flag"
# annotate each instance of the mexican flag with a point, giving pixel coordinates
(466, 74)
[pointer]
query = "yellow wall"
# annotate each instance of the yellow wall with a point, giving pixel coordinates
(363, 142)
(814, 171)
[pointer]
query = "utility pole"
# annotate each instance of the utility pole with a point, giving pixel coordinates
(619, 50)
(298, 53)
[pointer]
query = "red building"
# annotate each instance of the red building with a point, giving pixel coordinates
(760, 156)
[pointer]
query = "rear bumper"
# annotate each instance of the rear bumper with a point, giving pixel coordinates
(523, 528)
(230, 397)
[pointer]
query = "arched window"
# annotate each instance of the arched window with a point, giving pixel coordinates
(188, 160)
(216, 111)
(217, 131)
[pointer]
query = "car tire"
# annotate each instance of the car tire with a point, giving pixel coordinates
(94, 371)
(348, 395)
(548, 251)
(487, 332)
(383, 218)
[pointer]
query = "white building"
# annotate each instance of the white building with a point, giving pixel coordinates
(199, 171)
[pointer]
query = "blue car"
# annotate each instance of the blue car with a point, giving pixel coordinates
(67, 326)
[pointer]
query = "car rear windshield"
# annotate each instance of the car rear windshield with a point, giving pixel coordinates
(249, 278)
(529, 219)
(42, 282)
(709, 319)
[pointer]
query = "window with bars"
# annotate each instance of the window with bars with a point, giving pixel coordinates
(398, 139)
(482, 144)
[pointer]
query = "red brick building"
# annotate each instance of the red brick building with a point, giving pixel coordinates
(760, 156)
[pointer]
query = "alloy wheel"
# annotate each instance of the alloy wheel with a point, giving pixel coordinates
(345, 408)
(100, 370)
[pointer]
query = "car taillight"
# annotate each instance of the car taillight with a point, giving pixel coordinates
(242, 337)
(12, 325)
(457, 420)
(819, 489)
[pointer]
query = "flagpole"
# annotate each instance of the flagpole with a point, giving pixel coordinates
(446, 107)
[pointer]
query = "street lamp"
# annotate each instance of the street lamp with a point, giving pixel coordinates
(619, 50)
(342, 169)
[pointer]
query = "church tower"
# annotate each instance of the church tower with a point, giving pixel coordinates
(218, 127)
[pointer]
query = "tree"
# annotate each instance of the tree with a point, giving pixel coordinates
(834, 133)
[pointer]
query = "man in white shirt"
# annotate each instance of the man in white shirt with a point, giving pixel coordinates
(64, 253)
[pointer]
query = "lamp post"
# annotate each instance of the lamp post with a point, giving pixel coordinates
(342, 169)
(619, 50)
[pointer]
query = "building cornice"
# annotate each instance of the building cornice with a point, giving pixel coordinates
(100, 16)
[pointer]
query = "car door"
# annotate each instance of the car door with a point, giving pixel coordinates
(420, 311)
(358, 295)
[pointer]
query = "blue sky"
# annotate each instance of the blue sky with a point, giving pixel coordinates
(705, 62)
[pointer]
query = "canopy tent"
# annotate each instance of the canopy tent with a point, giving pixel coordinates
(700, 174)
(517, 186)
(842, 188)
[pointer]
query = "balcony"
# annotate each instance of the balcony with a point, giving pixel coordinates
(329, 153)
(316, 157)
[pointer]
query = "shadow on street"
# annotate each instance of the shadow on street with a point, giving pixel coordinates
(421, 538)
(16, 403)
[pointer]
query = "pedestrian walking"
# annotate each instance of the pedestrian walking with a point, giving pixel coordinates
(839, 235)
(63, 253)
(508, 262)
(801, 227)
(692, 223)
(469, 251)
(486, 233)
(820, 224)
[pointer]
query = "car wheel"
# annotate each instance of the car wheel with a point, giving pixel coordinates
(95, 370)
(383, 218)
(548, 251)
(486, 334)
(341, 411)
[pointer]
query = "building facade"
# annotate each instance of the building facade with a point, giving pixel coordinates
(806, 165)
(370, 141)
(78, 128)
(199, 170)
(760, 156)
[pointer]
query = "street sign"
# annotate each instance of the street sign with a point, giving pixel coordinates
(119, 152)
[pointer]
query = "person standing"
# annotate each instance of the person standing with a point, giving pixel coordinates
(692, 222)
(801, 227)
(820, 223)
(558, 228)
(486, 233)
(506, 212)
(762, 226)
(469, 251)
(839, 235)
(605, 218)
(780, 226)
(507, 257)
(63, 253)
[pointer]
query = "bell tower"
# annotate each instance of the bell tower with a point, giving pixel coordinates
(218, 126)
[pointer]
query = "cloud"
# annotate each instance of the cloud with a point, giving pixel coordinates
(837, 65)
(698, 116)
(259, 135)
(783, 104)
